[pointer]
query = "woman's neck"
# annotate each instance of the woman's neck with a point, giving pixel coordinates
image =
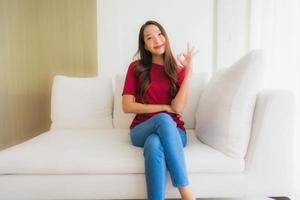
(158, 60)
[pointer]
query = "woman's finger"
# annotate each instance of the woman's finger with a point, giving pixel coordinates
(180, 57)
(195, 52)
(179, 115)
(193, 49)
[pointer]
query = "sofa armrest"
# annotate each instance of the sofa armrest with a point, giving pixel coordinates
(269, 159)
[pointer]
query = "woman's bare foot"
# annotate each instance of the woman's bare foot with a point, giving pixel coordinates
(186, 193)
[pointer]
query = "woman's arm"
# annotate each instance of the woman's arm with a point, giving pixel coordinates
(130, 106)
(180, 100)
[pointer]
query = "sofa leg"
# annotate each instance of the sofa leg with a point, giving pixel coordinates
(280, 198)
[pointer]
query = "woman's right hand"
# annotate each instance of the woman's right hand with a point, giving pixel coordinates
(186, 59)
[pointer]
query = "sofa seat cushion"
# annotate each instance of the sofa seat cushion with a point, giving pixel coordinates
(99, 152)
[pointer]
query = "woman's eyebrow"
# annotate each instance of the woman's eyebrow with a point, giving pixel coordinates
(158, 31)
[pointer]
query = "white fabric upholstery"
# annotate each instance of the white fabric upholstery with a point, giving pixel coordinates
(101, 151)
(81, 103)
(113, 186)
(225, 110)
(269, 156)
(123, 120)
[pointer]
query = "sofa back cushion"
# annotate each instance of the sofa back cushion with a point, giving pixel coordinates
(123, 120)
(81, 103)
(224, 114)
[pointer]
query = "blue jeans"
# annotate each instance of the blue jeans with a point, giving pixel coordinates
(163, 146)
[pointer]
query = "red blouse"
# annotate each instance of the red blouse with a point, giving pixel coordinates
(157, 92)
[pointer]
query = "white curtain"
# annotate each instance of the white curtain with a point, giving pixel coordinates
(275, 27)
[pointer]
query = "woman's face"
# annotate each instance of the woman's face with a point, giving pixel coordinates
(154, 40)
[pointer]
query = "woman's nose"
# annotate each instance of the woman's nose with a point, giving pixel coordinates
(156, 39)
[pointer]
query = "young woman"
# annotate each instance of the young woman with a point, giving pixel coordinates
(156, 89)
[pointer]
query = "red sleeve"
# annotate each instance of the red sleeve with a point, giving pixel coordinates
(181, 75)
(130, 81)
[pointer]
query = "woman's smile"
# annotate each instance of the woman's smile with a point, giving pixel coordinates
(159, 46)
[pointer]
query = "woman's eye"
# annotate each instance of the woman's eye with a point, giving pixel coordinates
(149, 38)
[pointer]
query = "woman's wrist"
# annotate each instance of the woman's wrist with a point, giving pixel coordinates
(188, 73)
(188, 69)
(164, 107)
(167, 108)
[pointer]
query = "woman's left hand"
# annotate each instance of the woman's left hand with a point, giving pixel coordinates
(186, 59)
(169, 109)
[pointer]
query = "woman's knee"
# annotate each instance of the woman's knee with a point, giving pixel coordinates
(164, 118)
(153, 146)
(135, 140)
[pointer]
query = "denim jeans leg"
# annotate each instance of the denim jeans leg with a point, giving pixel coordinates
(155, 168)
(173, 146)
(164, 126)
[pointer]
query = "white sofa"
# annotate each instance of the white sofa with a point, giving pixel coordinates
(87, 153)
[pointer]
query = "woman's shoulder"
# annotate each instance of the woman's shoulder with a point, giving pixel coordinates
(134, 63)
(132, 66)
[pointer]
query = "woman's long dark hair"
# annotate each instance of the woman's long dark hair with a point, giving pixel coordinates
(143, 66)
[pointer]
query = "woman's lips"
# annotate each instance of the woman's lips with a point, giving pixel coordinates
(159, 46)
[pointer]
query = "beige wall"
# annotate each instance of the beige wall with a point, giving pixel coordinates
(39, 39)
